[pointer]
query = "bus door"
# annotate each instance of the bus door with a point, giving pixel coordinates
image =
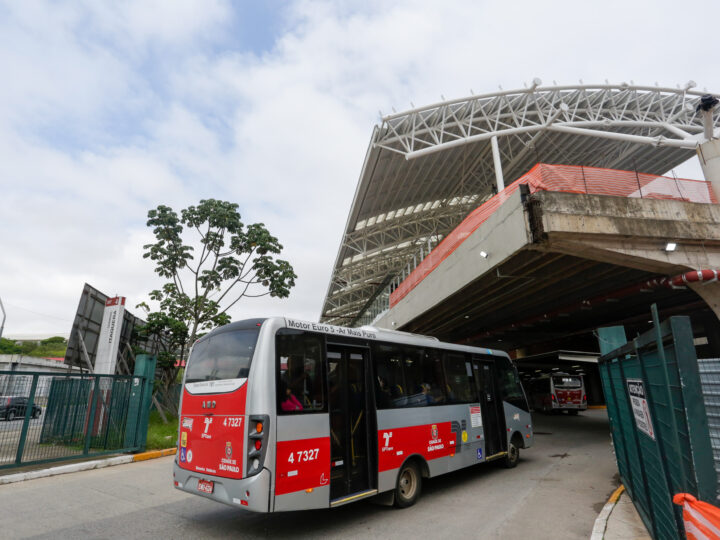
(349, 442)
(492, 407)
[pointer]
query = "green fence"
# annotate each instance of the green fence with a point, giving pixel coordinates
(48, 417)
(658, 421)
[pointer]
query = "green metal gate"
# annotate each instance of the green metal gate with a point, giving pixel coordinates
(658, 421)
(47, 417)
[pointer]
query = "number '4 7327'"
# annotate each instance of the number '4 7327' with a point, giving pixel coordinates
(303, 455)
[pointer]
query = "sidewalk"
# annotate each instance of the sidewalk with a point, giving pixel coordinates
(619, 520)
(30, 472)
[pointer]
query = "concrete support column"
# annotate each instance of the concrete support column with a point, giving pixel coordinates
(709, 155)
(710, 292)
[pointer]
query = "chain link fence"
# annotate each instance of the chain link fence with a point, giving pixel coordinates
(710, 380)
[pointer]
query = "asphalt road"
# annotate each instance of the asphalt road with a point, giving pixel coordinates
(556, 492)
(17, 424)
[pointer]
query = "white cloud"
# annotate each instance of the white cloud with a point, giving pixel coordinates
(111, 109)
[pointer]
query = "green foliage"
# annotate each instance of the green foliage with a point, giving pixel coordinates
(53, 347)
(8, 347)
(234, 261)
(54, 341)
(160, 435)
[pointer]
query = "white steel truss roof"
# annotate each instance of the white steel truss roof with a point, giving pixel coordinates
(427, 168)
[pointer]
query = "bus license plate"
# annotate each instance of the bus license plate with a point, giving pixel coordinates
(205, 486)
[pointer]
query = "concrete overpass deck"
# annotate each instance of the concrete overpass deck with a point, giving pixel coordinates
(558, 265)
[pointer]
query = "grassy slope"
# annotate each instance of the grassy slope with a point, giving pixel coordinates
(161, 435)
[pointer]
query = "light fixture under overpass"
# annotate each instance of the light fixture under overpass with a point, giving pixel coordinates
(670, 246)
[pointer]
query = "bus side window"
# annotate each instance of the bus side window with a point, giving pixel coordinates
(509, 384)
(300, 372)
(390, 388)
(458, 373)
(412, 370)
(433, 377)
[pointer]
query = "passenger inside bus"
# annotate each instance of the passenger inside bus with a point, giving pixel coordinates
(291, 403)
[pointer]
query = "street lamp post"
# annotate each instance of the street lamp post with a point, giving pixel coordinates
(2, 324)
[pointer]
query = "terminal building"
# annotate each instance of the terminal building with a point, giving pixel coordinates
(524, 220)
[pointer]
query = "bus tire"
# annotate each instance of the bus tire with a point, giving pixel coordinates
(409, 484)
(513, 455)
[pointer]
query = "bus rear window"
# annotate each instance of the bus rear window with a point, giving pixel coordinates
(224, 356)
(567, 382)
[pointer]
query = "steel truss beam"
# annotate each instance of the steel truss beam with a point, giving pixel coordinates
(428, 167)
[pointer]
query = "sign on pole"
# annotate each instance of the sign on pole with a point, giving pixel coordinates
(109, 339)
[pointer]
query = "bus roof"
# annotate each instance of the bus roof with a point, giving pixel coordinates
(364, 332)
(382, 334)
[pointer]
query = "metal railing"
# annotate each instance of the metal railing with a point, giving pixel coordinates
(657, 416)
(710, 380)
(51, 417)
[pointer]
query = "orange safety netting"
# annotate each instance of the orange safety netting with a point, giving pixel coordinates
(702, 520)
(568, 179)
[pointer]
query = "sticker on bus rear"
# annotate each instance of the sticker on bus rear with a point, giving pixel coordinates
(479, 453)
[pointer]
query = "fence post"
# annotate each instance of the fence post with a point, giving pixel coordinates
(26, 420)
(140, 399)
(91, 417)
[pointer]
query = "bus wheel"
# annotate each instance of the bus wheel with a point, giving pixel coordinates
(408, 486)
(513, 455)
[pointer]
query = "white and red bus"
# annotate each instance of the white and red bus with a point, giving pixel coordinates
(557, 392)
(279, 414)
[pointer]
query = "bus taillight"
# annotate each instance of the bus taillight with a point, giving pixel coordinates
(257, 443)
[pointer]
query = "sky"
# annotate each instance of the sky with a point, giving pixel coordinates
(108, 109)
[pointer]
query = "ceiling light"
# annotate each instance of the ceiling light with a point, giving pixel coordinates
(484, 254)
(670, 246)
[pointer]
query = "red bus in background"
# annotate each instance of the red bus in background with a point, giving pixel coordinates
(279, 414)
(557, 392)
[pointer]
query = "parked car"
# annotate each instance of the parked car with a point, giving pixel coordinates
(12, 407)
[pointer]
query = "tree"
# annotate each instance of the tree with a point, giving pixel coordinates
(235, 261)
(8, 347)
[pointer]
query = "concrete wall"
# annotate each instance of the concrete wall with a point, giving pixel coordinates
(504, 233)
(622, 231)
(18, 362)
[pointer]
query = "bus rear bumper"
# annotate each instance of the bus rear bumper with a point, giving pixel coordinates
(252, 493)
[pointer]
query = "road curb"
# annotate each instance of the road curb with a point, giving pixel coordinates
(86, 466)
(598, 531)
(154, 454)
(597, 406)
